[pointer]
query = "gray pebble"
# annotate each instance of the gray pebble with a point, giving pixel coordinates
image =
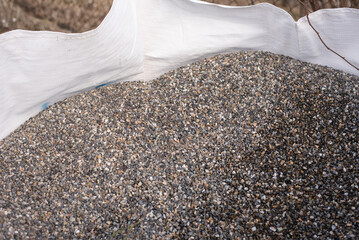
(250, 145)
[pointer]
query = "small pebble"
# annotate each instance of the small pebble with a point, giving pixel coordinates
(249, 145)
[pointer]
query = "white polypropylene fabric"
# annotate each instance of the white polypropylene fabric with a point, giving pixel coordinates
(41, 68)
(142, 39)
(179, 31)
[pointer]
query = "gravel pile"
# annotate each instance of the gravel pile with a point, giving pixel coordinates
(249, 145)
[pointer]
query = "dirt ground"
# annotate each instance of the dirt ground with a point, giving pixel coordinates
(54, 15)
(83, 15)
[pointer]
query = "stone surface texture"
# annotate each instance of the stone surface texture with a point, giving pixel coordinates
(250, 145)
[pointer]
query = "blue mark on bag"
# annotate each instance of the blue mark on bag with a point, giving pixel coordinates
(45, 105)
(101, 85)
